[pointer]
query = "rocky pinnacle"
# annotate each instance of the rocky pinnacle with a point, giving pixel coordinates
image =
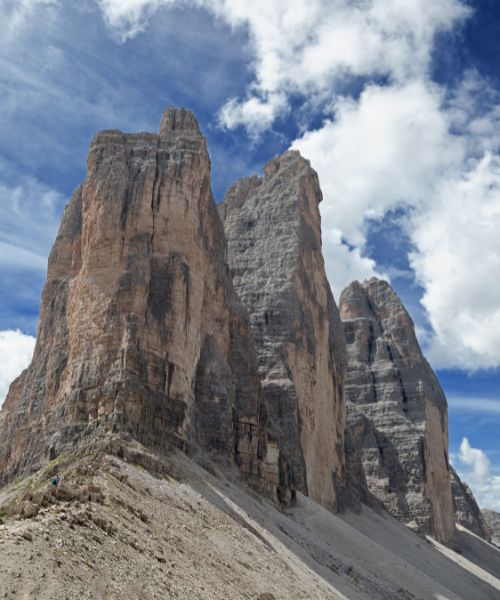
(140, 328)
(273, 228)
(397, 411)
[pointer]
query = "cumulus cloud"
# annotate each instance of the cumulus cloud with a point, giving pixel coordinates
(383, 151)
(484, 483)
(380, 152)
(476, 459)
(16, 350)
(344, 263)
(408, 147)
(405, 144)
(306, 46)
(488, 493)
(456, 257)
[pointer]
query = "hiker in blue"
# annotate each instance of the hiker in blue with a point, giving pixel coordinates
(54, 483)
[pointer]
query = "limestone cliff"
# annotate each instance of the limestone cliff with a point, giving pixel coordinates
(272, 225)
(467, 512)
(140, 328)
(397, 410)
(492, 522)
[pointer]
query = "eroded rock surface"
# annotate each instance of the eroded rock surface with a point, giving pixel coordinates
(397, 411)
(140, 328)
(272, 225)
(492, 520)
(467, 512)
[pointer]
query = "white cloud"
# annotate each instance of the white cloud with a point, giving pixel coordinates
(456, 259)
(388, 149)
(488, 493)
(408, 144)
(485, 484)
(306, 46)
(408, 147)
(16, 350)
(255, 113)
(345, 264)
(383, 151)
(130, 17)
(476, 459)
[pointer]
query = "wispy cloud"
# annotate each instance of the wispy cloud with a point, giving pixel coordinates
(29, 218)
(475, 404)
(306, 47)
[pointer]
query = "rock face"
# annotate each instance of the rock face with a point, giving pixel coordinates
(272, 225)
(467, 512)
(140, 328)
(492, 521)
(397, 411)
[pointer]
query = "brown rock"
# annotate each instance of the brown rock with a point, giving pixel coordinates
(140, 328)
(29, 510)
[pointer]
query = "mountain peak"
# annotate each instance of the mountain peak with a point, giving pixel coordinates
(178, 119)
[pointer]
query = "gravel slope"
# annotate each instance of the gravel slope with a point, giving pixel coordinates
(194, 535)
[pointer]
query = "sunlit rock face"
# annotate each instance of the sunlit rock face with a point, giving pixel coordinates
(140, 328)
(397, 411)
(273, 228)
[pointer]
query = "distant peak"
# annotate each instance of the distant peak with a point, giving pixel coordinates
(178, 119)
(364, 286)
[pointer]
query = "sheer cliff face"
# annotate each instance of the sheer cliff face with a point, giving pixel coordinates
(272, 224)
(397, 411)
(140, 327)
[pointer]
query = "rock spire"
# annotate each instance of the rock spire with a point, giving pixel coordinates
(140, 327)
(397, 410)
(273, 228)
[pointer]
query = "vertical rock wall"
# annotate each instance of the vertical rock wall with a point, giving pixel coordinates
(272, 225)
(397, 411)
(140, 327)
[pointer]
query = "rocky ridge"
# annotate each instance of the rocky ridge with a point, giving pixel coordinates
(167, 528)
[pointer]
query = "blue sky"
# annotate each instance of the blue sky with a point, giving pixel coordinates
(396, 104)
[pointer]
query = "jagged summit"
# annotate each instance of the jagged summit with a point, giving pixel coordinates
(397, 412)
(178, 119)
(404, 444)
